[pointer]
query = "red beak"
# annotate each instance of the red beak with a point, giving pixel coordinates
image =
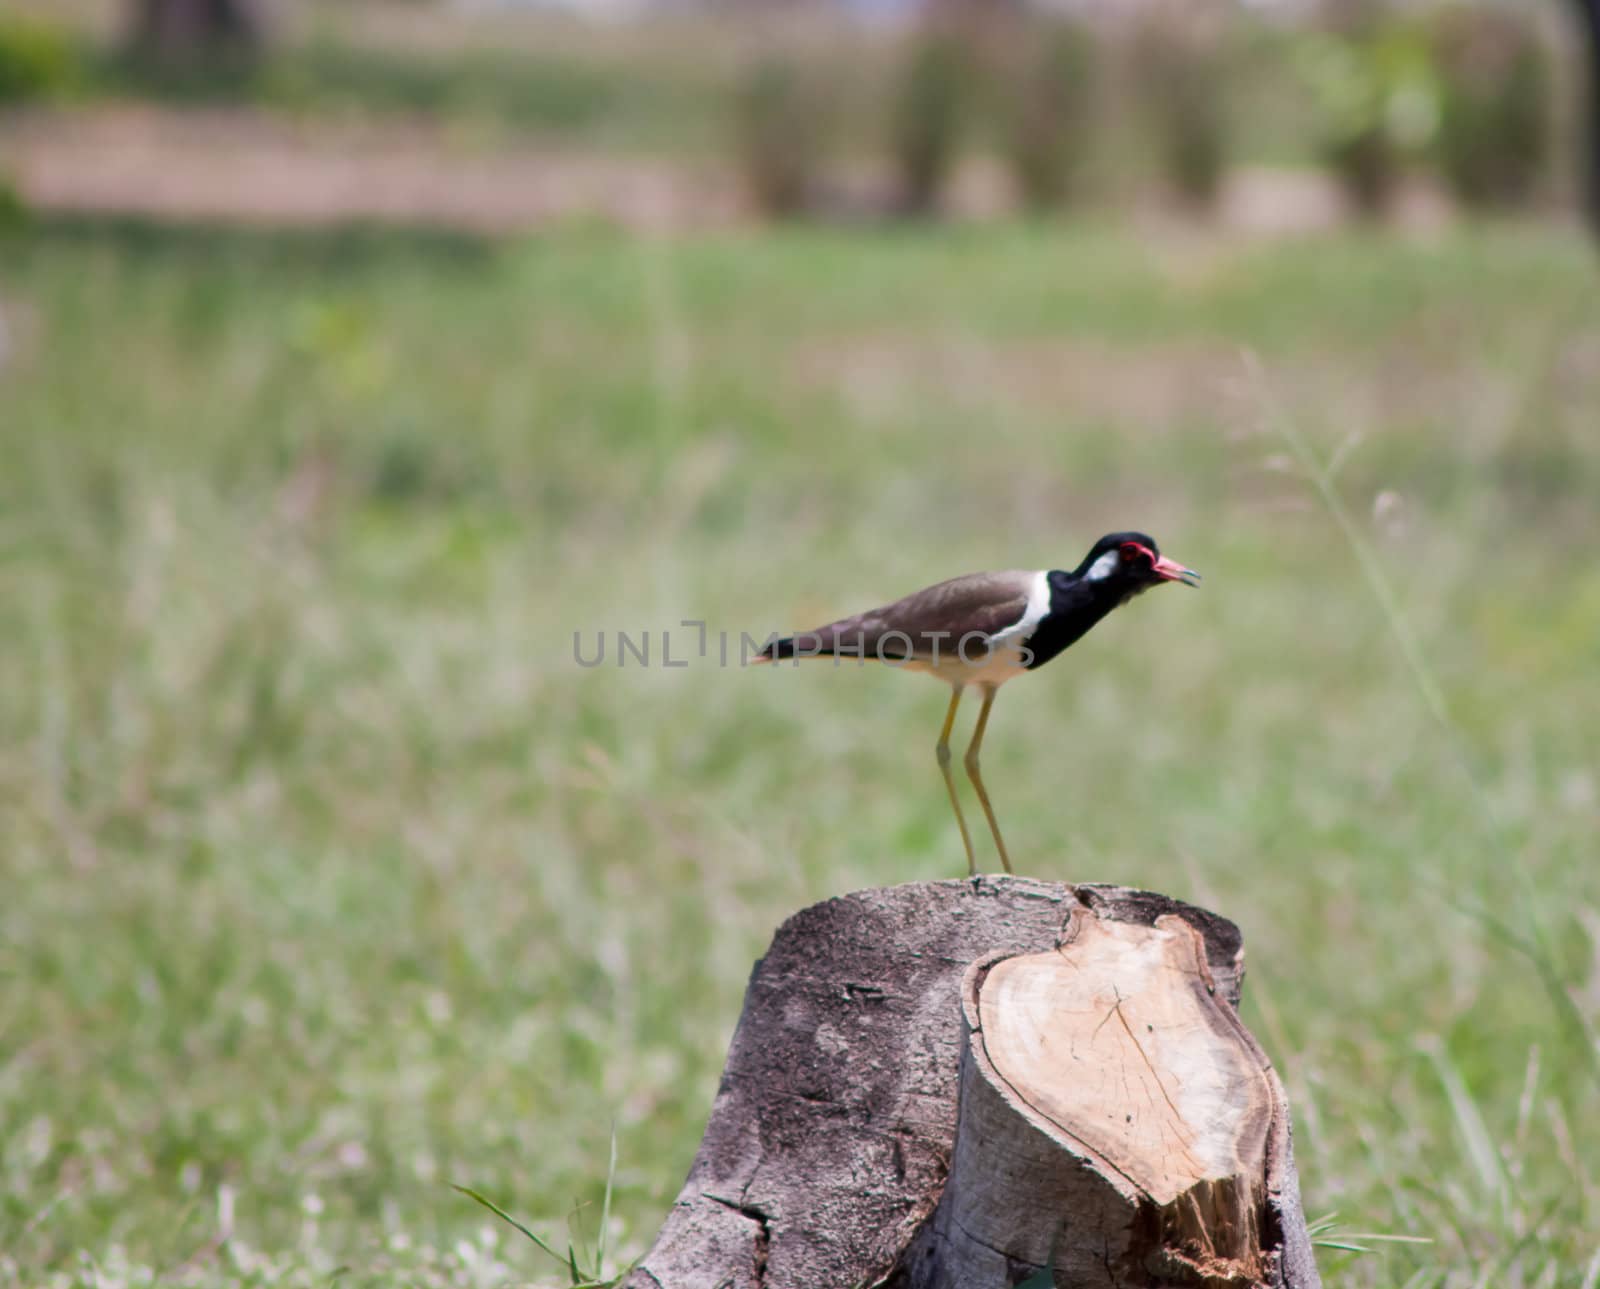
(1171, 571)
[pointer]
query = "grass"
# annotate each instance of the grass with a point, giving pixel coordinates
(333, 881)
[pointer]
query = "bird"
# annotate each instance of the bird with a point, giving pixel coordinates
(985, 629)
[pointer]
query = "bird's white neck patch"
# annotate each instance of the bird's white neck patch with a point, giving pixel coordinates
(1103, 567)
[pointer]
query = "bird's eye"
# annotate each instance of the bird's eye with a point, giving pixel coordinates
(1130, 552)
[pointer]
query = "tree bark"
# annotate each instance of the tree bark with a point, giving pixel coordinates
(962, 1083)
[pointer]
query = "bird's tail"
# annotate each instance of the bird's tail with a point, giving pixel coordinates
(810, 644)
(774, 650)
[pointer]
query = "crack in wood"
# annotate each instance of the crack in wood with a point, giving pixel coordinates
(1155, 1074)
(763, 1240)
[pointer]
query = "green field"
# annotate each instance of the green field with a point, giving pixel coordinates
(331, 879)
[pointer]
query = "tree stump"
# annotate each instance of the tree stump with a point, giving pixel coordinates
(957, 1085)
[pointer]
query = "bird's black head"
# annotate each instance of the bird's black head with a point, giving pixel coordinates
(1130, 563)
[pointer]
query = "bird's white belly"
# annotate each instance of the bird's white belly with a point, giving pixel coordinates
(981, 666)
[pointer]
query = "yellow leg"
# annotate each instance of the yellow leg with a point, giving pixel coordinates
(977, 779)
(943, 753)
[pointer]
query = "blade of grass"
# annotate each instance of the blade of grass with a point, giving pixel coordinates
(1322, 1224)
(1537, 949)
(1379, 1237)
(605, 1207)
(1474, 1131)
(507, 1218)
(1325, 1234)
(1577, 1024)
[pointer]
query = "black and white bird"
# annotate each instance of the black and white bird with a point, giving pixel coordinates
(986, 628)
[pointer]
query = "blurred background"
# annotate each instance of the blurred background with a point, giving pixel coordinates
(362, 363)
(499, 115)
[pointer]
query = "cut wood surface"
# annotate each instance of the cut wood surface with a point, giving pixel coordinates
(1161, 1086)
(960, 1083)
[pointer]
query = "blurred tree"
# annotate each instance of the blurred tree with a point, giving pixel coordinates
(929, 104)
(1371, 82)
(37, 60)
(1589, 22)
(1182, 85)
(1047, 90)
(1494, 103)
(180, 30)
(780, 121)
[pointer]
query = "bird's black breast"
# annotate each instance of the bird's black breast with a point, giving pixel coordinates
(1075, 606)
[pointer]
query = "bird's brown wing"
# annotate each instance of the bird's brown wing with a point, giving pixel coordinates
(928, 623)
